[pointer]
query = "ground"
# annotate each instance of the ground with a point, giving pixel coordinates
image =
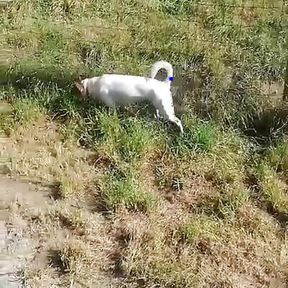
(16, 246)
(92, 197)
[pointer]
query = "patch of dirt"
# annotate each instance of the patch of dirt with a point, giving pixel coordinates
(22, 192)
(274, 90)
(16, 247)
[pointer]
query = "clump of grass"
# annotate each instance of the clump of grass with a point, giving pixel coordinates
(216, 154)
(24, 113)
(199, 136)
(38, 276)
(201, 227)
(230, 151)
(72, 256)
(138, 140)
(231, 201)
(278, 157)
(126, 190)
(76, 220)
(6, 119)
(169, 174)
(129, 140)
(271, 175)
(273, 188)
(67, 187)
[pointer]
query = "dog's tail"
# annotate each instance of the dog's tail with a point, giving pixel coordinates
(162, 65)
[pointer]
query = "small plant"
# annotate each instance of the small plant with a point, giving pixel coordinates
(200, 228)
(71, 257)
(127, 191)
(66, 188)
(199, 137)
(137, 140)
(273, 188)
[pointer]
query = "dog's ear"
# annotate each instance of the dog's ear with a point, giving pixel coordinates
(80, 89)
(79, 86)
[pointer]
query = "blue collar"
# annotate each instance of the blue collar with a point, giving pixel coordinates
(171, 79)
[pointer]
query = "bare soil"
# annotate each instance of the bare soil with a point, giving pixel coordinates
(16, 246)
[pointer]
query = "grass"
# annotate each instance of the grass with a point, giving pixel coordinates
(127, 191)
(133, 203)
(273, 177)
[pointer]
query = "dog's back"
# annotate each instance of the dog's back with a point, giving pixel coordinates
(124, 89)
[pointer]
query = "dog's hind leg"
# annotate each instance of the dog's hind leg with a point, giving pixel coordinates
(167, 110)
(177, 121)
(172, 118)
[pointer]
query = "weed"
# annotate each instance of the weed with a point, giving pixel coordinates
(274, 189)
(127, 191)
(199, 137)
(201, 228)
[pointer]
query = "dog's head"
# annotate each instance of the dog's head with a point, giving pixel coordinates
(80, 88)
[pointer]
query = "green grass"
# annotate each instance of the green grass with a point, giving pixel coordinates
(272, 175)
(166, 210)
(128, 192)
(201, 227)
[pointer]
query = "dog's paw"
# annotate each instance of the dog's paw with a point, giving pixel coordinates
(157, 117)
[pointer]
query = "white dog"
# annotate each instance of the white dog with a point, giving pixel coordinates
(115, 90)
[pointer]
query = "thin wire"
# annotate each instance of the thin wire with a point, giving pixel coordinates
(282, 13)
(239, 6)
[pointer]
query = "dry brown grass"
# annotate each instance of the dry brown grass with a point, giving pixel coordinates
(180, 242)
(66, 230)
(40, 154)
(209, 253)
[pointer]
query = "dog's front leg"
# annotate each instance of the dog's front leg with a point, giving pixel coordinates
(157, 115)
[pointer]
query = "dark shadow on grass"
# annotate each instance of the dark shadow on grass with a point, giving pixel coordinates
(257, 195)
(22, 78)
(97, 203)
(122, 238)
(238, 103)
(55, 261)
(194, 83)
(55, 191)
(280, 216)
(53, 188)
(267, 126)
